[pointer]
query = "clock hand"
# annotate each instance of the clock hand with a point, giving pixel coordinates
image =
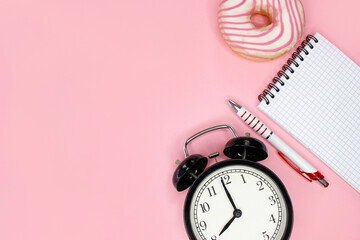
(228, 195)
(227, 225)
(237, 213)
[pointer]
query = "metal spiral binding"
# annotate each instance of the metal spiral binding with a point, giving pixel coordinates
(287, 67)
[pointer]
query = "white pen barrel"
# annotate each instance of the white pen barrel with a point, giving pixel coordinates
(254, 122)
(279, 144)
(291, 154)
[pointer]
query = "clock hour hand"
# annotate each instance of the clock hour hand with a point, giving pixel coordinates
(237, 213)
(227, 225)
(228, 194)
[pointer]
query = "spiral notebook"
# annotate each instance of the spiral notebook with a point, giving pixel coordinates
(316, 98)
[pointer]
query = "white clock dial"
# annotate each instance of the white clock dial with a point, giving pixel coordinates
(238, 202)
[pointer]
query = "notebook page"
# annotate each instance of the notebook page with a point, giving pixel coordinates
(319, 105)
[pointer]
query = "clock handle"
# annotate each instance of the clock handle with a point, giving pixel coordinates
(206, 131)
(192, 166)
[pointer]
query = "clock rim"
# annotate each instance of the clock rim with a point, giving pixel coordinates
(216, 166)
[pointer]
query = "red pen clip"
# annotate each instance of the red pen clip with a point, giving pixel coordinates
(296, 168)
(309, 176)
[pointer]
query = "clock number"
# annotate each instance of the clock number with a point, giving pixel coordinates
(226, 179)
(211, 191)
(213, 237)
(272, 219)
(205, 207)
(272, 200)
(243, 178)
(260, 184)
(266, 236)
(203, 225)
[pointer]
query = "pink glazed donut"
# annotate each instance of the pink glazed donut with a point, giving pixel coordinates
(286, 26)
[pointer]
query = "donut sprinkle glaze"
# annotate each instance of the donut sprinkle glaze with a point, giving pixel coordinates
(286, 26)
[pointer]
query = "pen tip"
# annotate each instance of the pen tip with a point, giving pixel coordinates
(234, 105)
(324, 182)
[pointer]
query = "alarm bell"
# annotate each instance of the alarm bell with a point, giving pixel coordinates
(246, 148)
(242, 148)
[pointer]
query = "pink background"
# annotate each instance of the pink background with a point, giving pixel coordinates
(98, 96)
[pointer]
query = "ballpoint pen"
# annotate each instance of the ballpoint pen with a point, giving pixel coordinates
(285, 151)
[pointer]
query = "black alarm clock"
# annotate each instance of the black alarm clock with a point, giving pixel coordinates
(236, 198)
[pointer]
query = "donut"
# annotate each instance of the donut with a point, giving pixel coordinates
(264, 43)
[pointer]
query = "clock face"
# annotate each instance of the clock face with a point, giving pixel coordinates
(238, 199)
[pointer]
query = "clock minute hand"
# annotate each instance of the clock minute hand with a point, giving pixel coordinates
(228, 195)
